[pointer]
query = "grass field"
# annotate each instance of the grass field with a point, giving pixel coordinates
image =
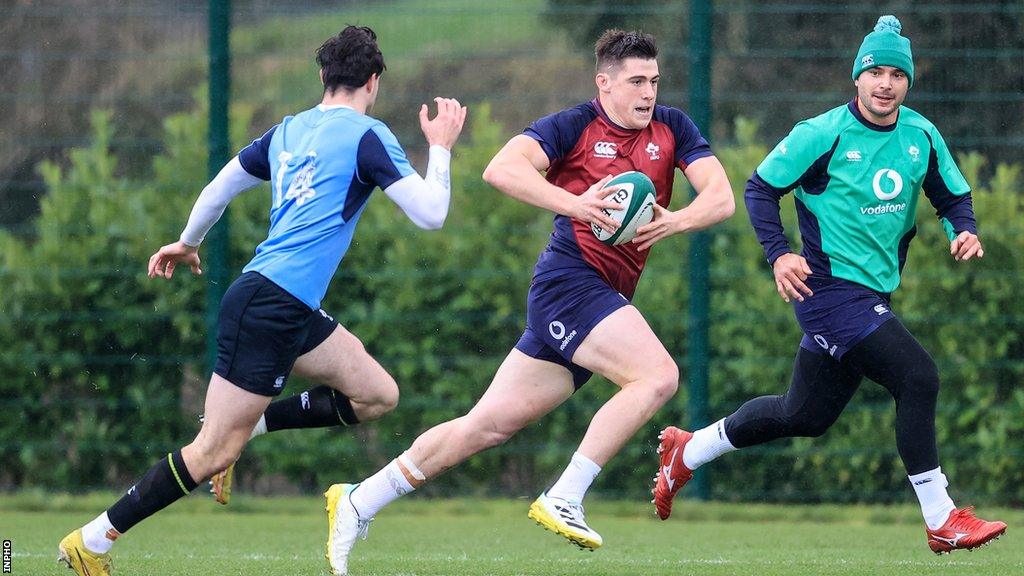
(494, 537)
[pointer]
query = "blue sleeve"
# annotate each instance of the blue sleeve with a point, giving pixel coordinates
(380, 160)
(690, 143)
(558, 133)
(762, 200)
(255, 157)
(948, 192)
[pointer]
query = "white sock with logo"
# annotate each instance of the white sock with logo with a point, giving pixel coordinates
(379, 490)
(261, 427)
(575, 480)
(931, 493)
(707, 444)
(94, 535)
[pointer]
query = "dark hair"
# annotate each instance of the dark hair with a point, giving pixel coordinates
(614, 46)
(350, 58)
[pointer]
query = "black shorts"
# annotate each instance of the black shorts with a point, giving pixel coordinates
(261, 330)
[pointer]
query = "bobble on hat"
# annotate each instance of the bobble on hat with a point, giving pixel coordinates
(888, 23)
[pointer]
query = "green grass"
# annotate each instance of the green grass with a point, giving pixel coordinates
(420, 536)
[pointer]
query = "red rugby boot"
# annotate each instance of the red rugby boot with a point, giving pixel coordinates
(963, 531)
(672, 474)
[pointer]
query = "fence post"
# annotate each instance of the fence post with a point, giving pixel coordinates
(700, 260)
(216, 260)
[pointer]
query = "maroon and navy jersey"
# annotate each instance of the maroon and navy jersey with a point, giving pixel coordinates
(584, 146)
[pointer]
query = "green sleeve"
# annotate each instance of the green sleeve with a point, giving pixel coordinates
(804, 145)
(947, 189)
(950, 173)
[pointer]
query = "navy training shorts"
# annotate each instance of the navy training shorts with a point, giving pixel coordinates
(261, 330)
(561, 312)
(839, 315)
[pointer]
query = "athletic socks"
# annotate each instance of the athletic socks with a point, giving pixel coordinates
(575, 480)
(167, 481)
(379, 490)
(318, 407)
(931, 493)
(260, 428)
(707, 444)
(99, 535)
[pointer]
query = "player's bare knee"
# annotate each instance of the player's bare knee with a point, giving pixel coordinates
(380, 401)
(216, 453)
(664, 382)
(387, 396)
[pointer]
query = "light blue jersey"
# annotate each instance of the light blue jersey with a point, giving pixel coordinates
(322, 165)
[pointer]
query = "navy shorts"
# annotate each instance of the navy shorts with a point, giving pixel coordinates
(261, 330)
(561, 312)
(839, 315)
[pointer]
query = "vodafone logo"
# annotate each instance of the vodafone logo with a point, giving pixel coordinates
(557, 330)
(896, 184)
(605, 150)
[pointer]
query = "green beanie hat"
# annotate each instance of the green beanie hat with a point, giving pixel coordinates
(885, 47)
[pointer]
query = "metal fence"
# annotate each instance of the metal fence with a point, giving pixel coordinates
(771, 62)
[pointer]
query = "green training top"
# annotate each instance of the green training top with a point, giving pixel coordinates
(856, 188)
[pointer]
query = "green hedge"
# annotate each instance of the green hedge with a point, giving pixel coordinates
(102, 366)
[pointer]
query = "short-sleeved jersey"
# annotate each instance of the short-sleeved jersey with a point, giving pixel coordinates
(322, 164)
(583, 146)
(857, 187)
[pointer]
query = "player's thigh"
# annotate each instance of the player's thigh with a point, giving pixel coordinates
(229, 415)
(523, 390)
(342, 362)
(623, 348)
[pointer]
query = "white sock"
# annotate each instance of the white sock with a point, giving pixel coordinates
(707, 444)
(260, 429)
(379, 490)
(575, 480)
(94, 535)
(931, 493)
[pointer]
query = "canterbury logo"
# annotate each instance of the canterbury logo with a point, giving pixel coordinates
(605, 149)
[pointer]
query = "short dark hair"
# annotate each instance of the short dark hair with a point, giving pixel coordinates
(350, 58)
(614, 46)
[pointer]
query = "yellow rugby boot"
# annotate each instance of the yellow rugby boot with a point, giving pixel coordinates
(344, 526)
(566, 520)
(72, 551)
(220, 485)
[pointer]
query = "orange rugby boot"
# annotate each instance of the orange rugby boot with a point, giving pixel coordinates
(963, 531)
(672, 474)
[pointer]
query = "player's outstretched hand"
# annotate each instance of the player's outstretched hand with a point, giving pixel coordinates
(593, 205)
(445, 127)
(163, 262)
(791, 270)
(664, 224)
(966, 246)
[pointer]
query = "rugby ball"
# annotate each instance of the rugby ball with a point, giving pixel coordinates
(636, 195)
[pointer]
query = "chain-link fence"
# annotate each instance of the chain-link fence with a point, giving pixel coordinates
(107, 367)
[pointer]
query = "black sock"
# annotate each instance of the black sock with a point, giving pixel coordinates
(167, 481)
(319, 407)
